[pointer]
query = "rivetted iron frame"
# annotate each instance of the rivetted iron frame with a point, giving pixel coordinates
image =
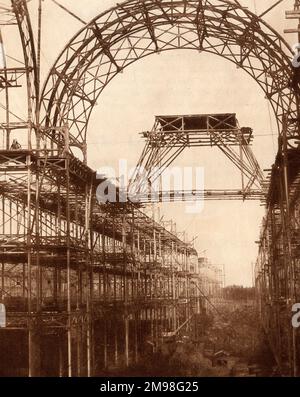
(59, 115)
(171, 135)
(135, 29)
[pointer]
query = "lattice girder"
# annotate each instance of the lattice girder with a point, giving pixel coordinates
(136, 29)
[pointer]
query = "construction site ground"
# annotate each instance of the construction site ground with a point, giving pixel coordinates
(231, 345)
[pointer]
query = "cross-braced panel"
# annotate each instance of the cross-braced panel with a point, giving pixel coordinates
(135, 29)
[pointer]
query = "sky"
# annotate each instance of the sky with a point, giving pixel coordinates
(178, 82)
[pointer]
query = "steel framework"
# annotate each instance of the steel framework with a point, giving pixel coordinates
(98, 281)
(171, 135)
(277, 267)
(135, 29)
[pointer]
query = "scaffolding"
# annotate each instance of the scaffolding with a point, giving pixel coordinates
(277, 268)
(172, 135)
(87, 287)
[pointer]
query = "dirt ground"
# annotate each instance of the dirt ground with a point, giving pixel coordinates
(232, 344)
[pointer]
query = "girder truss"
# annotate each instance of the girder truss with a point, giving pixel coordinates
(171, 135)
(135, 29)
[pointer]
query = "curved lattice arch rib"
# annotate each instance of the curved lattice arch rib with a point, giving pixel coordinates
(136, 29)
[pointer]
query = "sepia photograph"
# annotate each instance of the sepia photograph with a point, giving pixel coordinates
(149, 191)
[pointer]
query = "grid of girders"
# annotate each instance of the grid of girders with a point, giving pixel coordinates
(119, 37)
(171, 135)
(135, 29)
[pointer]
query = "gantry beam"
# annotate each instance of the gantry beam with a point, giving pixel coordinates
(172, 135)
(135, 29)
(198, 195)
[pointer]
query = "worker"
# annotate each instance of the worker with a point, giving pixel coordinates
(15, 145)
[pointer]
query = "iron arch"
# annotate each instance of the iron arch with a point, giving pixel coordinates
(138, 28)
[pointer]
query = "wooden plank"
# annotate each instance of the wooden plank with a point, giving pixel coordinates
(292, 30)
(292, 14)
